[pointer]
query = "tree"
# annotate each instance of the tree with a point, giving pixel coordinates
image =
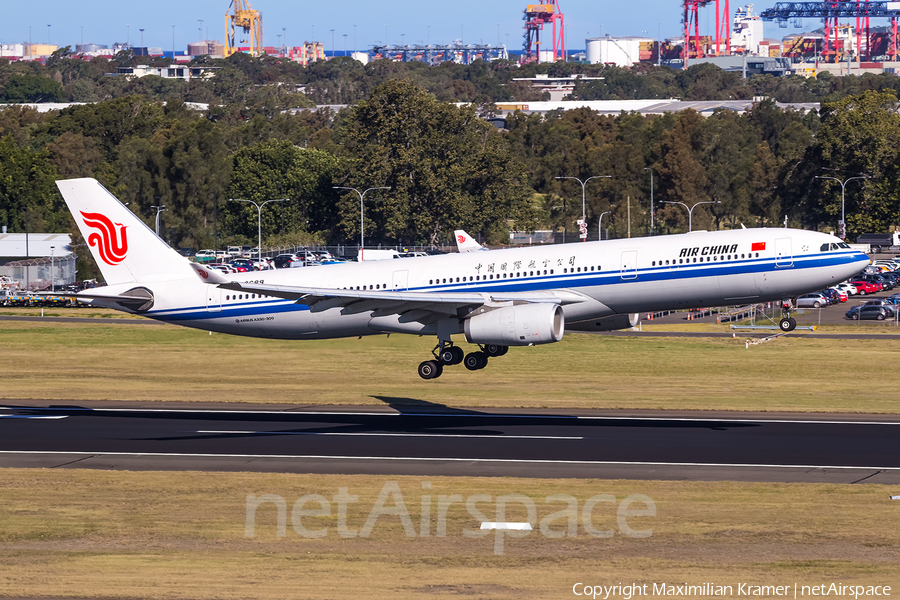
(279, 169)
(859, 136)
(26, 180)
(446, 168)
(31, 88)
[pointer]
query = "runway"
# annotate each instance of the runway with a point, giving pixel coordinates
(446, 441)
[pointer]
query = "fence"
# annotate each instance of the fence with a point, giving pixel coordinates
(36, 274)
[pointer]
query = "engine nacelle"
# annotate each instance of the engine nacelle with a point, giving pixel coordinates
(521, 325)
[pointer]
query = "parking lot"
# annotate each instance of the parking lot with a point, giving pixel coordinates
(828, 315)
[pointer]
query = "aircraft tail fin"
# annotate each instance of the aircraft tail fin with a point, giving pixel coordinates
(465, 242)
(126, 250)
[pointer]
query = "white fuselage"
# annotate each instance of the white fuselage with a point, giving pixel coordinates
(604, 278)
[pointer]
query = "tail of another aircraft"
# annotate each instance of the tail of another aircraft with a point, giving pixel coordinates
(126, 250)
(465, 242)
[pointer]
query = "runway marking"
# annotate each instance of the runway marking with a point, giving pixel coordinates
(34, 417)
(437, 459)
(473, 415)
(436, 435)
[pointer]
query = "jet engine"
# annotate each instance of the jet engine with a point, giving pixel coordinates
(517, 325)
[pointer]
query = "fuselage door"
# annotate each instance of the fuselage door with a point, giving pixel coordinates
(629, 264)
(783, 255)
(401, 279)
(213, 298)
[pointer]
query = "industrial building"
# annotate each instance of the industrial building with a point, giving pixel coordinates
(37, 261)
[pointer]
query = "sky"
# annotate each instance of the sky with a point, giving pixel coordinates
(363, 23)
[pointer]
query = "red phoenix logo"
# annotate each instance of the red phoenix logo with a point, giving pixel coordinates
(461, 239)
(112, 250)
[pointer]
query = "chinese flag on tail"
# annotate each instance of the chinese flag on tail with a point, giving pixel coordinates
(757, 246)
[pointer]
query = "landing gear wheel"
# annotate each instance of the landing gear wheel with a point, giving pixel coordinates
(430, 369)
(452, 355)
(475, 361)
(787, 324)
(495, 349)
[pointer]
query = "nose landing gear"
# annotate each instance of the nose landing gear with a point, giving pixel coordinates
(787, 322)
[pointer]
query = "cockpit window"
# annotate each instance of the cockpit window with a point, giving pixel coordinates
(824, 248)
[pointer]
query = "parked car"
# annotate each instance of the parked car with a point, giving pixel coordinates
(224, 267)
(812, 300)
(831, 295)
(879, 313)
(865, 287)
(885, 283)
(205, 256)
(842, 295)
(890, 302)
(891, 264)
(284, 261)
(243, 265)
(851, 290)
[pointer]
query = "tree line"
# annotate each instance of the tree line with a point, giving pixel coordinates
(268, 82)
(446, 168)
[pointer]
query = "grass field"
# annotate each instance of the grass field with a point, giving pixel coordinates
(98, 534)
(183, 535)
(88, 361)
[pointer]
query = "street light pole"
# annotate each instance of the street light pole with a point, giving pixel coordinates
(259, 220)
(362, 229)
(159, 208)
(600, 226)
(583, 212)
(843, 224)
(651, 198)
(690, 209)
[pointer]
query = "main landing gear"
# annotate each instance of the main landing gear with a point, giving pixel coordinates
(787, 322)
(446, 355)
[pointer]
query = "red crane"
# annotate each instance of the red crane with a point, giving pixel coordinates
(536, 16)
(692, 46)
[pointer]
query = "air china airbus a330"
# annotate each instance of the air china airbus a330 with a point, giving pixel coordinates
(499, 298)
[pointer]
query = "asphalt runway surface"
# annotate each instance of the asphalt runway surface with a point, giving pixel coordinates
(447, 441)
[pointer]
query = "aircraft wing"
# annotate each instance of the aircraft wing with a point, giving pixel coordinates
(386, 301)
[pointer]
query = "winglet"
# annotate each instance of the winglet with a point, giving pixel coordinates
(465, 242)
(208, 275)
